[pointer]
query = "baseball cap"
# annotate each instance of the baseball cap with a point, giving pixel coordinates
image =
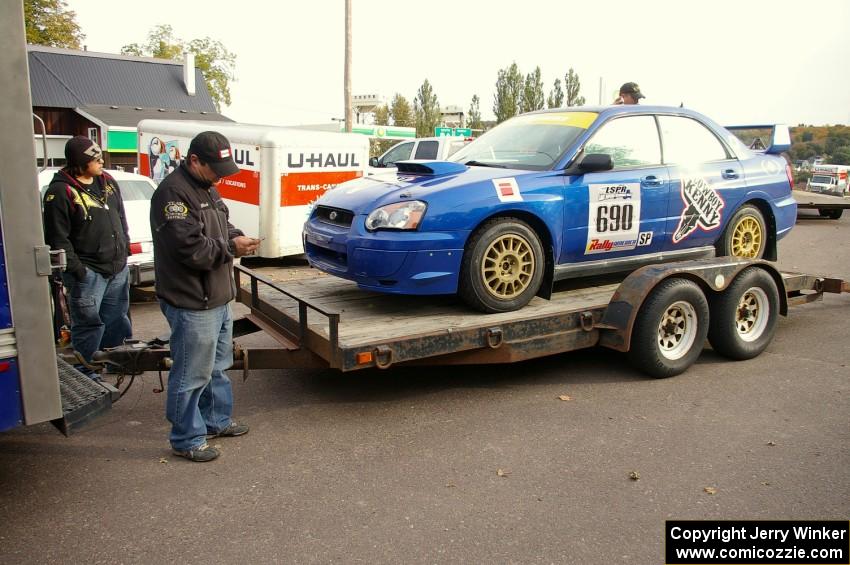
(81, 150)
(633, 89)
(213, 149)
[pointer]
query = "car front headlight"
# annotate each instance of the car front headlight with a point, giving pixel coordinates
(399, 216)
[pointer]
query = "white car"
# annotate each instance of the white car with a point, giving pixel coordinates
(136, 190)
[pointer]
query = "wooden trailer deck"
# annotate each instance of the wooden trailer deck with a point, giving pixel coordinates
(343, 321)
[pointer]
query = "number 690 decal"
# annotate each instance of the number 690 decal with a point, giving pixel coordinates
(613, 222)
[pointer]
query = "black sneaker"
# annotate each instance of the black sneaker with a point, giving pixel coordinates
(232, 430)
(201, 454)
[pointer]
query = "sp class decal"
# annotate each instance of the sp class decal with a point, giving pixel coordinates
(613, 222)
(702, 208)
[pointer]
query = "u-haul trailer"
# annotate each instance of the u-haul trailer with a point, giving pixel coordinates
(282, 172)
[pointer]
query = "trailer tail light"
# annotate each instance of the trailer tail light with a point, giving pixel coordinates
(790, 175)
(364, 357)
(138, 247)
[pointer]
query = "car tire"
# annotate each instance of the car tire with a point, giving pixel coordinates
(670, 329)
(745, 234)
(744, 316)
(502, 267)
(831, 214)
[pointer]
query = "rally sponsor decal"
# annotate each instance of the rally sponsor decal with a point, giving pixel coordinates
(176, 211)
(702, 208)
(507, 190)
(613, 222)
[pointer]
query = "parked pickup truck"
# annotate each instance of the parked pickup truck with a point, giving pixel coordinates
(432, 148)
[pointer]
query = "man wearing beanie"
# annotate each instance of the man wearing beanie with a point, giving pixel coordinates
(194, 246)
(84, 215)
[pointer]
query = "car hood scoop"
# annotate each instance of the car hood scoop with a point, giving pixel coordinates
(430, 168)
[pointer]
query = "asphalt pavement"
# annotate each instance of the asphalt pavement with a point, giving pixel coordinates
(477, 464)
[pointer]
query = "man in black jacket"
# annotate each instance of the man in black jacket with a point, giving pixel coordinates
(194, 246)
(84, 215)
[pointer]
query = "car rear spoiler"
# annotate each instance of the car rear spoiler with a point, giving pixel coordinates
(780, 137)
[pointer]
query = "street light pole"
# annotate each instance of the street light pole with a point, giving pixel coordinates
(347, 77)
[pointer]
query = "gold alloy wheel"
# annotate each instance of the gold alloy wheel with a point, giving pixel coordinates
(747, 237)
(508, 266)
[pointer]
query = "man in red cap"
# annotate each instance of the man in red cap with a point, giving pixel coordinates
(84, 215)
(194, 246)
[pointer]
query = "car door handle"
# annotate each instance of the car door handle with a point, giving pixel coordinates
(651, 180)
(730, 174)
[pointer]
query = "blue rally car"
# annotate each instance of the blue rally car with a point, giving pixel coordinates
(556, 194)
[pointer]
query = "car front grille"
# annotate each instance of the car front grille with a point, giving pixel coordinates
(334, 216)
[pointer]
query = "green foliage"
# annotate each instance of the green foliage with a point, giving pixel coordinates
(382, 118)
(807, 136)
(474, 116)
(836, 140)
(49, 22)
(572, 88)
(532, 94)
(556, 95)
(426, 108)
(509, 88)
(401, 112)
(211, 56)
(841, 156)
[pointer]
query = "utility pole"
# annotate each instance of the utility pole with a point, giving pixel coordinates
(347, 78)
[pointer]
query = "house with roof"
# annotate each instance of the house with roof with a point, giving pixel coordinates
(104, 96)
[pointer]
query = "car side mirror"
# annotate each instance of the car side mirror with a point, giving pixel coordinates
(594, 162)
(373, 162)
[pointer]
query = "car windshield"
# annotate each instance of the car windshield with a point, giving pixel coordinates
(822, 179)
(136, 190)
(532, 141)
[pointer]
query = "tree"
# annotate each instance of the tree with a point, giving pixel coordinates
(807, 136)
(427, 110)
(474, 121)
(556, 95)
(835, 140)
(532, 93)
(49, 22)
(572, 87)
(382, 118)
(841, 156)
(400, 112)
(211, 56)
(509, 88)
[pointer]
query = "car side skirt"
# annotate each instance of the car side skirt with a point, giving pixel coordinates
(590, 268)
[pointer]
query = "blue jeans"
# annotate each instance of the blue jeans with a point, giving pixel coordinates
(200, 398)
(99, 307)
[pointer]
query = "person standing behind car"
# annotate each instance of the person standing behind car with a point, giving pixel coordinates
(194, 246)
(629, 94)
(84, 215)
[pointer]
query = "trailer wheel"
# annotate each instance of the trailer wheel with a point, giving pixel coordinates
(744, 316)
(833, 214)
(745, 235)
(670, 329)
(502, 268)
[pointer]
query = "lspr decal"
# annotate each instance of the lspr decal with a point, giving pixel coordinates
(702, 208)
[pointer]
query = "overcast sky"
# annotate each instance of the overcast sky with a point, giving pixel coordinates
(740, 62)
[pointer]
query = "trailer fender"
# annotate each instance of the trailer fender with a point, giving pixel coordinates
(713, 275)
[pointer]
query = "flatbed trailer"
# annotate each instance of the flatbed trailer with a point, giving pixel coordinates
(656, 314)
(827, 205)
